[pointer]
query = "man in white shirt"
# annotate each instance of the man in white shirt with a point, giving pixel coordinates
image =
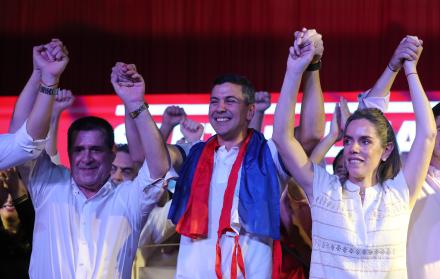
(423, 253)
(85, 226)
(30, 123)
(223, 233)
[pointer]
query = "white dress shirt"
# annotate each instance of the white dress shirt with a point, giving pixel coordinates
(423, 255)
(196, 258)
(76, 237)
(17, 148)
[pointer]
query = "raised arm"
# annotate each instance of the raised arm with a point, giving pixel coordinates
(192, 131)
(294, 157)
(406, 50)
(25, 100)
(329, 140)
(53, 60)
(417, 163)
(171, 117)
(262, 103)
(311, 127)
(132, 94)
(63, 100)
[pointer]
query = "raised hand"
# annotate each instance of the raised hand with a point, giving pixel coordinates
(406, 50)
(63, 100)
(125, 71)
(298, 61)
(345, 112)
(51, 59)
(173, 115)
(128, 83)
(262, 101)
(410, 65)
(191, 130)
(335, 124)
(306, 36)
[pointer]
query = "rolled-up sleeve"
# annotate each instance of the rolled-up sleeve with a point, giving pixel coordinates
(366, 101)
(17, 148)
(149, 190)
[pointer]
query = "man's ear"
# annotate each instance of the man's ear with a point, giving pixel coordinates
(113, 151)
(387, 152)
(251, 112)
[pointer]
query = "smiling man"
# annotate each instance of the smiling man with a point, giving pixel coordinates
(85, 225)
(226, 201)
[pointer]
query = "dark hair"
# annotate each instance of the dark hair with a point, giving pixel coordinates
(4, 192)
(390, 168)
(336, 159)
(122, 148)
(436, 110)
(246, 86)
(90, 123)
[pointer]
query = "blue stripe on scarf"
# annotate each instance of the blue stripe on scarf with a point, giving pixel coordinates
(259, 196)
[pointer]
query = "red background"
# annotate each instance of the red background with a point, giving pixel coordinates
(105, 106)
(181, 45)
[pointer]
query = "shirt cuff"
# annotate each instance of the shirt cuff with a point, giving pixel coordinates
(27, 143)
(380, 103)
(161, 182)
(56, 159)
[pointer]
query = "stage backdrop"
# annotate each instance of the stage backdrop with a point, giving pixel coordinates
(110, 107)
(182, 45)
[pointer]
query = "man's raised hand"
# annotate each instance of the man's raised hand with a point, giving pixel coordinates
(51, 59)
(128, 83)
(173, 115)
(191, 130)
(63, 100)
(262, 101)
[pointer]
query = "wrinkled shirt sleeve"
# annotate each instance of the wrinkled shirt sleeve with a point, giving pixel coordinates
(148, 190)
(366, 101)
(18, 148)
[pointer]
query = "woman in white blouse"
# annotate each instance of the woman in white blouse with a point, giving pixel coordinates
(360, 225)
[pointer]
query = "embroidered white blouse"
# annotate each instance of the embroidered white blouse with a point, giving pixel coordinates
(355, 240)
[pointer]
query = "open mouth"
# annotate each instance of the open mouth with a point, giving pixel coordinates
(355, 161)
(222, 119)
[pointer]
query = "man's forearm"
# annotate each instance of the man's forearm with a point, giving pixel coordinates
(25, 101)
(257, 121)
(153, 145)
(39, 118)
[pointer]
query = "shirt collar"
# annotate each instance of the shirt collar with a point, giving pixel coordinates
(107, 187)
(355, 189)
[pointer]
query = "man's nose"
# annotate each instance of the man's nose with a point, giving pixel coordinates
(117, 176)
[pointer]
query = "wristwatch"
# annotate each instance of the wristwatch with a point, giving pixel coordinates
(137, 111)
(48, 90)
